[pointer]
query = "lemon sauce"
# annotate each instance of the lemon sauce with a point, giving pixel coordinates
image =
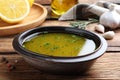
(60, 44)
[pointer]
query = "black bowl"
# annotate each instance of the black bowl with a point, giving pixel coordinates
(60, 65)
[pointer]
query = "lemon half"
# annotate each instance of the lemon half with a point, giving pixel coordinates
(13, 11)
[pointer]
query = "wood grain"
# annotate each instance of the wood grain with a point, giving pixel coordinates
(106, 67)
(43, 1)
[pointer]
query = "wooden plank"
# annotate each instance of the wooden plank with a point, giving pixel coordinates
(106, 67)
(6, 44)
(113, 49)
(43, 1)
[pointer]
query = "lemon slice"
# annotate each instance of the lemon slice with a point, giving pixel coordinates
(13, 11)
(31, 2)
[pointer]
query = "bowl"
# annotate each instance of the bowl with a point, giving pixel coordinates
(56, 64)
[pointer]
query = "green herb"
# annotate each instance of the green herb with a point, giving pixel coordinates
(83, 24)
(57, 37)
(74, 36)
(76, 48)
(46, 44)
(54, 48)
(92, 20)
(45, 32)
(73, 41)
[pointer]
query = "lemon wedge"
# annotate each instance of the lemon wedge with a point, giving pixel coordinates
(13, 11)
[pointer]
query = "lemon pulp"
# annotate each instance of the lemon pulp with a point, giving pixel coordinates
(13, 11)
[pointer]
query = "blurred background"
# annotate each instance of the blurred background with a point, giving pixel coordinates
(80, 1)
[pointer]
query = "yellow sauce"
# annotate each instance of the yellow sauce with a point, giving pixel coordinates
(56, 44)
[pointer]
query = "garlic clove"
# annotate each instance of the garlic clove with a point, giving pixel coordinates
(110, 18)
(109, 35)
(100, 28)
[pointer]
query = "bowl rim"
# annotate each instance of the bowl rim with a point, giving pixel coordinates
(17, 45)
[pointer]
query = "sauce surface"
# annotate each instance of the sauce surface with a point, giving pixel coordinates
(56, 44)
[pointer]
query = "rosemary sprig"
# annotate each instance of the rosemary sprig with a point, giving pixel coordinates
(83, 24)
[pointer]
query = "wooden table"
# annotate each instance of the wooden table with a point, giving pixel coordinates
(106, 67)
